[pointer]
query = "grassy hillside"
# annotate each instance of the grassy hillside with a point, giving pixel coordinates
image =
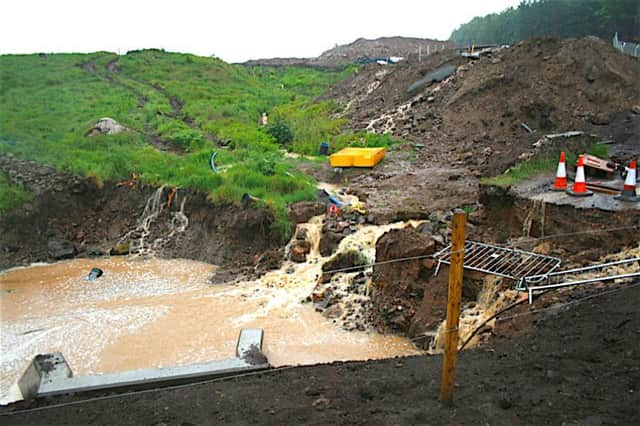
(180, 108)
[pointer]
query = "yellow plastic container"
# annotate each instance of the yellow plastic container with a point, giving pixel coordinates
(357, 157)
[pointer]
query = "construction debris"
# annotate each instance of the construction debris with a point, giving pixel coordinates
(527, 128)
(439, 74)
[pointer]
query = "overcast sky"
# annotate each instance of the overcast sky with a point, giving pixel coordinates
(234, 30)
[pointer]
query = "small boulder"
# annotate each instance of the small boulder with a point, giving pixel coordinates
(303, 211)
(635, 109)
(351, 260)
(600, 119)
(333, 311)
(299, 251)
(302, 234)
(106, 126)
(593, 74)
(270, 260)
(329, 242)
(120, 249)
(321, 404)
(61, 249)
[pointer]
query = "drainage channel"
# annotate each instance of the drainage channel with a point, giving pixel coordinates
(50, 374)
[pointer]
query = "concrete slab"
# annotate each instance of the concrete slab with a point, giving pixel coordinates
(249, 340)
(49, 374)
(539, 189)
(596, 201)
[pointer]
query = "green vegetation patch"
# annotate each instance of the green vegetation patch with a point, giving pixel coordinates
(558, 18)
(544, 163)
(12, 195)
(194, 104)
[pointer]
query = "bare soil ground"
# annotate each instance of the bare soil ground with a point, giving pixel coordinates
(474, 118)
(346, 54)
(581, 367)
(402, 189)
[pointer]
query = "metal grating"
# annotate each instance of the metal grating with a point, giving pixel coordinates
(569, 278)
(501, 261)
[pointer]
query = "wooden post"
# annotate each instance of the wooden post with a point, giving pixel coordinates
(459, 229)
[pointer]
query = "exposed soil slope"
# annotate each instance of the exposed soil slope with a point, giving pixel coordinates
(86, 218)
(475, 117)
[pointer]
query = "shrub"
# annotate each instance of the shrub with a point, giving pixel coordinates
(12, 195)
(281, 133)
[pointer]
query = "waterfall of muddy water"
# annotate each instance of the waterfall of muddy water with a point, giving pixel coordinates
(490, 301)
(152, 209)
(538, 211)
(145, 313)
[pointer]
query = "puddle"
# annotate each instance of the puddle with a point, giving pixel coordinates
(156, 313)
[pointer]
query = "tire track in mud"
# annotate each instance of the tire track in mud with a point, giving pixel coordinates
(177, 112)
(149, 134)
(177, 104)
(152, 137)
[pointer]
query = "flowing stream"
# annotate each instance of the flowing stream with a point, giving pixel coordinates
(150, 312)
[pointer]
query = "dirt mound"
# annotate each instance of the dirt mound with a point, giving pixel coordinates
(383, 47)
(340, 56)
(398, 291)
(374, 88)
(409, 297)
(474, 118)
(76, 216)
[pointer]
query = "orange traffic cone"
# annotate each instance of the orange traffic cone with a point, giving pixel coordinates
(560, 184)
(579, 188)
(629, 189)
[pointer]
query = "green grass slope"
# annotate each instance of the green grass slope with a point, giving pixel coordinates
(184, 102)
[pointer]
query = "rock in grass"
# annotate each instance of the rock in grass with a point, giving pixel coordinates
(106, 126)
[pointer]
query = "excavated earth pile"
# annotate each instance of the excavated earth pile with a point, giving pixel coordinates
(470, 125)
(474, 117)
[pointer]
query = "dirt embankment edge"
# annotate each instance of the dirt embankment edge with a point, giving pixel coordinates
(72, 216)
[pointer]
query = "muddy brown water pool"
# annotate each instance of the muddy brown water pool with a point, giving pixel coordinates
(145, 313)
